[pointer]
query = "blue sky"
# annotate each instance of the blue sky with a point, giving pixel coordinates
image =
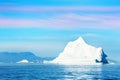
(45, 27)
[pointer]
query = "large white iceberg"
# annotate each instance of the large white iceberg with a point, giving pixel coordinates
(79, 52)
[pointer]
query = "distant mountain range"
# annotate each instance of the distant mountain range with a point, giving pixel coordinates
(13, 57)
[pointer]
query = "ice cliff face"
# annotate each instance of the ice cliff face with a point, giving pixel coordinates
(79, 52)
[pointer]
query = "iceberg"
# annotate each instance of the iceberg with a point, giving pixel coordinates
(23, 61)
(78, 52)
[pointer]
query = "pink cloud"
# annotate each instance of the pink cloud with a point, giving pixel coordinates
(66, 21)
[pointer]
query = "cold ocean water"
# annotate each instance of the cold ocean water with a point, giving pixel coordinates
(58, 72)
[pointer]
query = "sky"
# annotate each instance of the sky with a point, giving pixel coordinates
(45, 27)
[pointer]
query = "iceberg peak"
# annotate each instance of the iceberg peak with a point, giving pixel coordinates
(80, 40)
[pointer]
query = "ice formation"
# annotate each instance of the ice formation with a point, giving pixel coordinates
(79, 52)
(23, 61)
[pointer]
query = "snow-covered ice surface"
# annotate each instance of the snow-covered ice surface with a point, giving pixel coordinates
(23, 61)
(79, 52)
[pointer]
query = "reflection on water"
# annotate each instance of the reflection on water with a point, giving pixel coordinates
(83, 72)
(59, 72)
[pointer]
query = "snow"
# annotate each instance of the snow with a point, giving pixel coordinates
(79, 52)
(23, 61)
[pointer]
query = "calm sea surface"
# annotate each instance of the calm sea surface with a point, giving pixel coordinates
(59, 72)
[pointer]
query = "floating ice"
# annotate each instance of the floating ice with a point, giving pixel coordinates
(23, 61)
(79, 52)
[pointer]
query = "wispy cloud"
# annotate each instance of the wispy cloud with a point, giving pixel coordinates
(70, 19)
(56, 8)
(63, 21)
(87, 35)
(91, 35)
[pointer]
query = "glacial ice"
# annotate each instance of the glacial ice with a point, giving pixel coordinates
(79, 52)
(23, 61)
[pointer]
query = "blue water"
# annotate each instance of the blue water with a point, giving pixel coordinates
(59, 72)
